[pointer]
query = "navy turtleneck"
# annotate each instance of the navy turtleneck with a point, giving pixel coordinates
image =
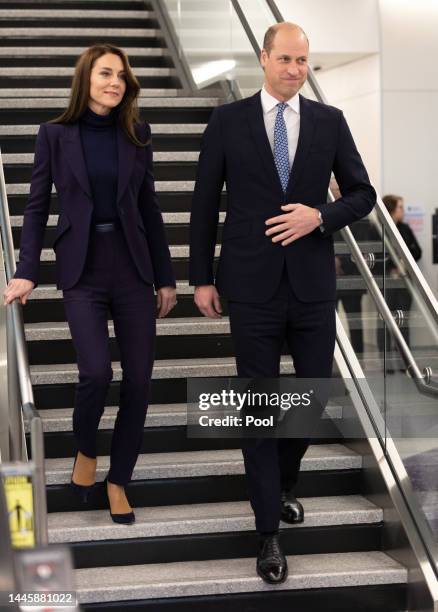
(99, 144)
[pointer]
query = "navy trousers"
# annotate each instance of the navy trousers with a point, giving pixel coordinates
(259, 332)
(110, 284)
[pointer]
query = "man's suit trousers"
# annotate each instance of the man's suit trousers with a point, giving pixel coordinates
(110, 284)
(259, 332)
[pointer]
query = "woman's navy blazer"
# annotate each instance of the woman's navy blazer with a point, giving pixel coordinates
(59, 159)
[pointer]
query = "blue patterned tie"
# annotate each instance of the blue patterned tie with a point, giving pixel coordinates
(281, 150)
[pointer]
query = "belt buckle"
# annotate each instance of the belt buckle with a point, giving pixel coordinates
(105, 227)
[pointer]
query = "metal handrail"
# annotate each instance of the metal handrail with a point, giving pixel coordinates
(422, 379)
(243, 20)
(388, 459)
(18, 370)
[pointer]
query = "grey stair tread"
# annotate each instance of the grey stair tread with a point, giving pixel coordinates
(53, 71)
(173, 326)
(225, 576)
(178, 250)
(24, 51)
(159, 156)
(183, 288)
(61, 103)
(34, 32)
(53, 13)
(57, 92)
(168, 218)
(24, 188)
(204, 463)
(175, 251)
(163, 368)
(158, 415)
(156, 128)
(93, 525)
(46, 292)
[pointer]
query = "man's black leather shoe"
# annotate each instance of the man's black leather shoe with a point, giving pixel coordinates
(291, 509)
(271, 563)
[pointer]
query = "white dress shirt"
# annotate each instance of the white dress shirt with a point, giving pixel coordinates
(291, 118)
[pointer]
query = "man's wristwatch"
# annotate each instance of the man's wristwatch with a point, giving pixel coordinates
(321, 226)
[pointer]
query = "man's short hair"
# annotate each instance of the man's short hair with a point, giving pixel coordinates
(268, 41)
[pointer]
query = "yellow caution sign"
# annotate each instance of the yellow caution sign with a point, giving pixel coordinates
(19, 501)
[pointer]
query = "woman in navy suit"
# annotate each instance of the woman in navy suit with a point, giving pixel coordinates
(111, 251)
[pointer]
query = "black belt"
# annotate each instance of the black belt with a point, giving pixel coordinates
(110, 226)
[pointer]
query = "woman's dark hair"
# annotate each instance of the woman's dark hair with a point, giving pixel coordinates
(128, 113)
(390, 201)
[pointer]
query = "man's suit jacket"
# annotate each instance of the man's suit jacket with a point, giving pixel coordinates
(59, 159)
(235, 149)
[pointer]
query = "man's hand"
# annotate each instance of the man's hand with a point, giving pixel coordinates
(18, 288)
(208, 301)
(166, 300)
(297, 221)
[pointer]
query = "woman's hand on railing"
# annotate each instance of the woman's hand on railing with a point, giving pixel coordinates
(18, 288)
(166, 300)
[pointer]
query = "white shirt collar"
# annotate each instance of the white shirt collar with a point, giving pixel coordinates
(269, 102)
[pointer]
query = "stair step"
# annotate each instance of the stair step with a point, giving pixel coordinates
(50, 292)
(158, 128)
(25, 13)
(56, 92)
(168, 327)
(61, 103)
(159, 521)
(176, 251)
(29, 71)
(158, 415)
(205, 463)
(163, 368)
(168, 218)
(227, 576)
(159, 156)
(26, 32)
(55, 4)
(180, 250)
(24, 51)
(186, 186)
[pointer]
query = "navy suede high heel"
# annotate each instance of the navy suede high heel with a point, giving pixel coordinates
(122, 519)
(82, 490)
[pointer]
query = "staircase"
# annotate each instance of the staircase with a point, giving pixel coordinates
(193, 545)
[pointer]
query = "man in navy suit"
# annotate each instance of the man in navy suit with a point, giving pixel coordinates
(275, 151)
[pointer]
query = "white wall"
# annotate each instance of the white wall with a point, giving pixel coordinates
(409, 43)
(355, 88)
(336, 25)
